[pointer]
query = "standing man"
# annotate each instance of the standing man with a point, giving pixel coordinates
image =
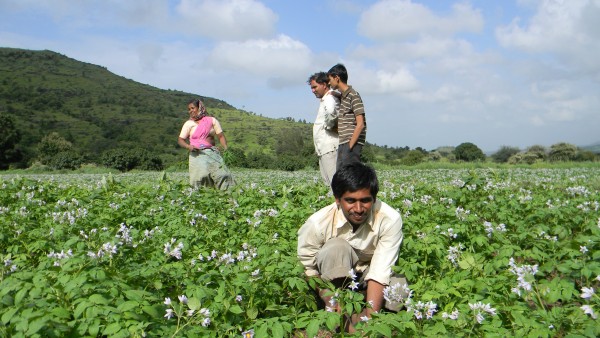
(325, 134)
(352, 125)
(356, 232)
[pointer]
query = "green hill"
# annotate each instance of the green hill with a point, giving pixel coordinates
(96, 111)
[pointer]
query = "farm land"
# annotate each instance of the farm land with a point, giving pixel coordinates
(487, 252)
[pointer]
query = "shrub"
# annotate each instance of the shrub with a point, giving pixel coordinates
(505, 152)
(66, 160)
(469, 152)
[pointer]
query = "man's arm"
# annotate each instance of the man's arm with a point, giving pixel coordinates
(360, 125)
(331, 105)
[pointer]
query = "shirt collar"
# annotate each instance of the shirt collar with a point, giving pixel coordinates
(347, 91)
(340, 219)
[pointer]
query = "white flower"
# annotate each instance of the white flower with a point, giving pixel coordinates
(183, 299)
(255, 272)
(353, 285)
(583, 249)
(453, 315)
(397, 292)
(169, 314)
(206, 322)
(190, 313)
(352, 274)
(364, 318)
(238, 298)
(589, 311)
(248, 334)
(587, 293)
(167, 301)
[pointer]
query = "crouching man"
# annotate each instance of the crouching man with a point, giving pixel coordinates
(357, 232)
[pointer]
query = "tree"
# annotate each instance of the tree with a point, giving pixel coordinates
(9, 138)
(469, 152)
(562, 152)
(413, 157)
(51, 145)
(505, 152)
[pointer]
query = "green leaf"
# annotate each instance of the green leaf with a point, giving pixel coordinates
(313, 328)
(252, 312)
(332, 322)
(36, 325)
(127, 305)
(98, 299)
(7, 316)
(112, 329)
(385, 330)
(153, 311)
(194, 303)
(236, 309)
(277, 330)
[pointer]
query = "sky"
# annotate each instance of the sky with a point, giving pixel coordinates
(431, 73)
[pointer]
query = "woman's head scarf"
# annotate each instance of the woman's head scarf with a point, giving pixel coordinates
(201, 110)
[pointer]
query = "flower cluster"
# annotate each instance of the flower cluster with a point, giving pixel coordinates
(454, 253)
(173, 251)
(60, 256)
(8, 262)
(419, 308)
(479, 309)
(453, 315)
(489, 228)
(107, 249)
(397, 293)
(171, 312)
(461, 213)
(524, 275)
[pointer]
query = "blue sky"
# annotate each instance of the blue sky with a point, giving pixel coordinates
(431, 73)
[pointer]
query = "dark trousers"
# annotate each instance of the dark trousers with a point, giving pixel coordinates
(347, 155)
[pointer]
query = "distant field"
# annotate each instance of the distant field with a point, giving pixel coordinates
(487, 252)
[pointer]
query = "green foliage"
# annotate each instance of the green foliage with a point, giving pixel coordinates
(504, 154)
(413, 157)
(468, 152)
(93, 255)
(562, 152)
(128, 159)
(65, 160)
(9, 138)
(51, 145)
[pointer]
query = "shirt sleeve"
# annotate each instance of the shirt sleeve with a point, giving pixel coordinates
(309, 243)
(186, 130)
(386, 252)
(357, 104)
(217, 126)
(331, 106)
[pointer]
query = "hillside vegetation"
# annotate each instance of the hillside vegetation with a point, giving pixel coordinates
(60, 113)
(96, 110)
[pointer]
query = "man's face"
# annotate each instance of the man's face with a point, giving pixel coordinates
(334, 81)
(356, 205)
(319, 89)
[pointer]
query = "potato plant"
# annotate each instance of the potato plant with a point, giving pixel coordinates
(511, 252)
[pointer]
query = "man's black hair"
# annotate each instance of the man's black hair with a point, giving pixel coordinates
(340, 71)
(353, 177)
(320, 78)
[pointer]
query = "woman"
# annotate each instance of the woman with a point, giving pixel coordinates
(205, 162)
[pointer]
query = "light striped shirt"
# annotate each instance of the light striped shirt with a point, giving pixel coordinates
(351, 105)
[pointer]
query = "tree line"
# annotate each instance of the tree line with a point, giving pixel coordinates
(293, 151)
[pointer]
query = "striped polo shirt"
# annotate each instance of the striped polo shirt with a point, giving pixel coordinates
(351, 105)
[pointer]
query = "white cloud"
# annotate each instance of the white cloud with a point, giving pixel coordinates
(570, 30)
(402, 19)
(283, 60)
(228, 19)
